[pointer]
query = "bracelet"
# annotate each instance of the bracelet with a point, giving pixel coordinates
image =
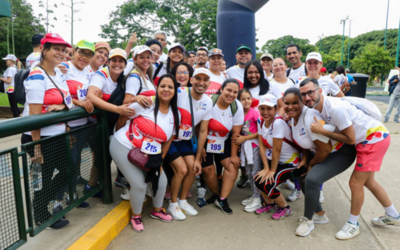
(272, 170)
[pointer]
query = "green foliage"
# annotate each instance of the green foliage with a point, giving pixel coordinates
(25, 26)
(191, 22)
(373, 60)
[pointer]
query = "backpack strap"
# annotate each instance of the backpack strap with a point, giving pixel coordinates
(288, 72)
(292, 81)
(158, 69)
(233, 105)
(140, 87)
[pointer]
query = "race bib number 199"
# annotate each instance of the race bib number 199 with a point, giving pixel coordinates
(215, 146)
(151, 147)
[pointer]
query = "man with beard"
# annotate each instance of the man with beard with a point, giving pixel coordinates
(243, 56)
(201, 58)
(298, 71)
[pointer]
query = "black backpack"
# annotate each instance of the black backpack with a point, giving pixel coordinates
(19, 89)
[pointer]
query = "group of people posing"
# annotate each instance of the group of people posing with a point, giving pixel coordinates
(175, 121)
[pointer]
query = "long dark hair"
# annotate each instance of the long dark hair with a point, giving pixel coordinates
(169, 62)
(263, 83)
(340, 70)
(173, 103)
(190, 69)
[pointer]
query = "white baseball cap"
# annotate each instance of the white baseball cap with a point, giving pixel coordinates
(199, 71)
(140, 49)
(314, 55)
(10, 57)
(268, 100)
(174, 45)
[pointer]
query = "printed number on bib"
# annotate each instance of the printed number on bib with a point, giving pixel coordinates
(185, 132)
(269, 153)
(151, 147)
(215, 146)
(81, 92)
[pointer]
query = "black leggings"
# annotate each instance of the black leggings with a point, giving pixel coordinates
(54, 157)
(283, 173)
(13, 105)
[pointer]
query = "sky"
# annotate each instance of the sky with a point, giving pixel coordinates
(306, 19)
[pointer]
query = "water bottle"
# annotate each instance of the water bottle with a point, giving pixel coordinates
(36, 176)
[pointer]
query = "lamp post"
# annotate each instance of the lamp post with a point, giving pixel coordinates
(344, 25)
(348, 47)
(72, 17)
(320, 37)
(387, 17)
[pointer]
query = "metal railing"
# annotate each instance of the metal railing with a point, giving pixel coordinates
(36, 196)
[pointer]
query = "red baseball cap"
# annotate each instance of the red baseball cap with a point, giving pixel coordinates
(323, 69)
(55, 39)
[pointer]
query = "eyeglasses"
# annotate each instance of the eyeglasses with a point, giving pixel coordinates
(310, 93)
(87, 55)
(182, 72)
(202, 54)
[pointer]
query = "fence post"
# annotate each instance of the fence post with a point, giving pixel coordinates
(106, 158)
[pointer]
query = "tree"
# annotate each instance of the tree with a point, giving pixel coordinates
(25, 26)
(45, 4)
(373, 60)
(191, 22)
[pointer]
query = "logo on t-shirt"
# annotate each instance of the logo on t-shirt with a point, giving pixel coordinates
(302, 131)
(203, 106)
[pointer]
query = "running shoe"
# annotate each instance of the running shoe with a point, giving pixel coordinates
(296, 194)
(386, 220)
(254, 205)
(348, 231)
(320, 219)
(137, 224)
(176, 212)
(201, 192)
(121, 181)
(242, 181)
(58, 224)
(83, 205)
(187, 208)
(269, 208)
(397, 120)
(248, 200)
(223, 205)
(212, 199)
(386, 120)
(125, 195)
(321, 197)
(305, 227)
(288, 185)
(282, 213)
(161, 215)
(89, 188)
(167, 195)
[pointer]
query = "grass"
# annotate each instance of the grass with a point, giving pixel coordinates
(4, 100)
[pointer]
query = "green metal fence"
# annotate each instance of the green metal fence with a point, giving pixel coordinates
(37, 195)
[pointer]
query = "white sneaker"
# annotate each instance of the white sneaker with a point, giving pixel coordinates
(288, 185)
(321, 197)
(320, 219)
(386, 220)
(348, 231)
(149, 190)
(248, 200)
(125, 195)
(175, 211)
(254, 205)
(187, 208)
(305, 227)
(201, 192)
(296, 194)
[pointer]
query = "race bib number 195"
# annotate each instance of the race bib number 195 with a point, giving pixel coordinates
(215, 146)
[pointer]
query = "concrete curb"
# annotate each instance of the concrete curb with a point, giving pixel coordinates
(108, 228)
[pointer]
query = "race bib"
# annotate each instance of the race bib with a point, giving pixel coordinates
(215, 146)
(81, 92)
(151, 147)
(185, 132)
(68, 100)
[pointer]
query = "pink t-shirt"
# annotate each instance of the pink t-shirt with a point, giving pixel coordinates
(250, 125)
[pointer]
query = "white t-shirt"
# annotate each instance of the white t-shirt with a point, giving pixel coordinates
(222, 121)
(10, 72)
(237, 73)
(133, 85)
(343, 114)
(328, 86)
(215, 83)
(269, 77)
(162, 72)
(340, 79)
(298, 75)
(201, 108)
(255, 93)
(78, 84)
(302, 134)
(163, 57)
(39, 89)
(280, 88)
(129, 66)
(33, 58)
(103, 81)
(145, 128)
(278, 129)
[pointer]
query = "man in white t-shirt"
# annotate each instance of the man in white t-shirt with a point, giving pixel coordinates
(161, 36)
(34, 57)
(298, 71)
(243, 56)
(201, 58)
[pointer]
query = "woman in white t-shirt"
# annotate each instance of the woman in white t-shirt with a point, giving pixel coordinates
(183, 72)
(175, 55)
(47, 91)
(342, 80)
(227, 118)
(279, 156)
(266, 63)
(8, 81)
(216, 58)
(152, 130)
(280, 81)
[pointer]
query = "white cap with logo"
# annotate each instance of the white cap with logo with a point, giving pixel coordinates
(314, 55)
(199, 71)
(10, 57)
(268, 100)
(140, 49)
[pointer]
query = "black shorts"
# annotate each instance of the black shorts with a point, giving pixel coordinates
(211, 157)
(177, 149)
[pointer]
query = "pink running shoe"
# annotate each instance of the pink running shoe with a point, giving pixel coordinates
(266, 209)
(161, 215)
(167, 195)
(137, 224)
(282, 213)
(189, 194)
